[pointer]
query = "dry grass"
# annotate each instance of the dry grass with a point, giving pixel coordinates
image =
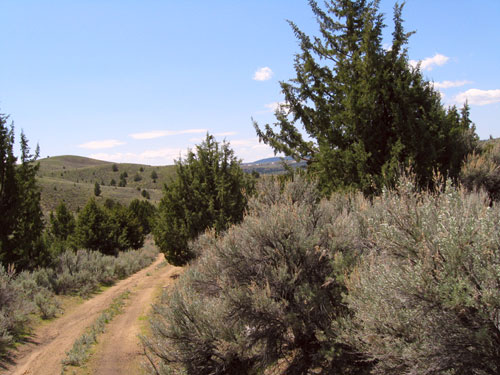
(71, 179)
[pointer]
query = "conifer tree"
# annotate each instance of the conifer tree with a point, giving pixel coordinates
(62, 222)
(209, 191)
(97, 189)
(21, 219)
(364, 109)
(93, 229)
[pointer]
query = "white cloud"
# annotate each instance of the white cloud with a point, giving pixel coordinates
(163, 156)
(449, 84)
(263, 74)
(225, 134)
(96, 145)
(479, 97)
(163, 133)
(272, 107)
(251, 149)
(430, 62)
(248, 150)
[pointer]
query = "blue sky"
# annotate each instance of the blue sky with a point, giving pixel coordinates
(141, 81)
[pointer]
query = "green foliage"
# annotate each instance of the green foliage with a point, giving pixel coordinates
(137, 177)
(365, 110)
(126, 229)
(145, 212)
(93, 230)
(114, 167)
(266, 297)
(426, 298)
(62, 223)
(481, 170)
(209, 191)
(97, 189)
(109, 230)
(154, 175)
(21, 221)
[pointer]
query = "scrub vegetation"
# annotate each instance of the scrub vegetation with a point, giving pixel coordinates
(380, 256)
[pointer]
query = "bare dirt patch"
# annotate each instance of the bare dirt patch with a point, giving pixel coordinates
(48, 346)
(120, 350)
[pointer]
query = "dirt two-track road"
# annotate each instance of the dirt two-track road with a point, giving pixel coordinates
(119, 349)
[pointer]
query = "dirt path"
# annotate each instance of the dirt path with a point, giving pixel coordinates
(119, 350)
(43, 356)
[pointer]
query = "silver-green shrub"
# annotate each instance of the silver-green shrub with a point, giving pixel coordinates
(427, 297)
(14, 310)
(268, 294)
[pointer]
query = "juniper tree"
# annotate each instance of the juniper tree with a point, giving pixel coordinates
(97, 189)
(209, 191)
(62, 222)
(21, 221)
(363, 109)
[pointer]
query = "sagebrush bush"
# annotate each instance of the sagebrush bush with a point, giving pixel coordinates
(38, 293)
(81, 272)
(266, 296)
(481, 171)
(427, 298)
(14, 310)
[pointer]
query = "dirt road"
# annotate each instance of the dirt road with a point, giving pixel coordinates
(51, 342)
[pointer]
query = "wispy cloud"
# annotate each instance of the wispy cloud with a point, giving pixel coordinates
(163, 133)
(98, 145)
(430, 62)
(163, 156)
(263, 74)
(251, 149)
(225, 134)
(479, 97)
(450, 84)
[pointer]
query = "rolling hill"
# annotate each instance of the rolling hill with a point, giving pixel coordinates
(71, 179)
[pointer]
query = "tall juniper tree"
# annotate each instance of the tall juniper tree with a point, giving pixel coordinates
(209, 191)
(364, 110)
(21, 219)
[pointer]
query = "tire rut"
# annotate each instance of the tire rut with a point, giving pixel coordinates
(48, 346)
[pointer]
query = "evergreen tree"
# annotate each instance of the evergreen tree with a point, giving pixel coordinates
(97, 189)
(365, 110)
(209, 191)
(21, 221)
(9, 189)
(62, 223)
(145, 212)
(126, 231)
(93, 229)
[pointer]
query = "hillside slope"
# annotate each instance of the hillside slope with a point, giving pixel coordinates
(71, 179)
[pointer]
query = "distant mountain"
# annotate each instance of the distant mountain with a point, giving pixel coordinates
(270, 160)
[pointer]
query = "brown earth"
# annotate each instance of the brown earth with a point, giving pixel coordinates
(119, 344)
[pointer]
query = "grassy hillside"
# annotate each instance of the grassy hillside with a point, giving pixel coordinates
(71, 179)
